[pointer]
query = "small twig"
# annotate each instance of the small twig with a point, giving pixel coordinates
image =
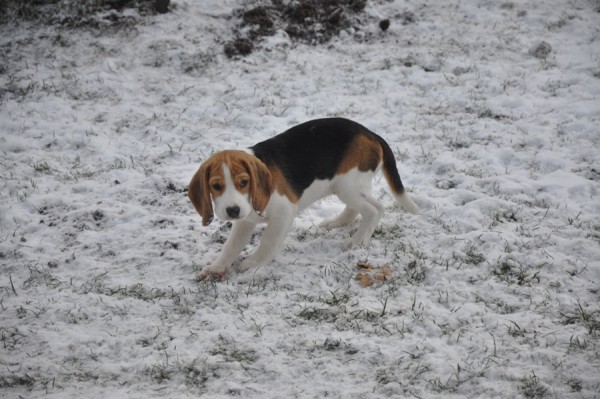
(12, 285)
(545, 214)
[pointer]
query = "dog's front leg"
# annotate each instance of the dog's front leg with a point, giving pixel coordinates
(270, 241)
(237, 240)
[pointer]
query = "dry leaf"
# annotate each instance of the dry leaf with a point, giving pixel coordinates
(364, 266)
(383, 274)
(364, 280)
(374, 275)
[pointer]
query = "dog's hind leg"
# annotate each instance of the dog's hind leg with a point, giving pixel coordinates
(345, 217)
(371, 212)
(354, 191)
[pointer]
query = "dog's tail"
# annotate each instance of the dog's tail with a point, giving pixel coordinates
(390, 171)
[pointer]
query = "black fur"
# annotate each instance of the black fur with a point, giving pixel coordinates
(389, 165)
(311, 150)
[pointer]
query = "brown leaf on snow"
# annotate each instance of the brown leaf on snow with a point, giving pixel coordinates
(364, 265)
(364, 280)
(374, 275)
(384, 273)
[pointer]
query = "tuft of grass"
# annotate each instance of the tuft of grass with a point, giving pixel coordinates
(514, 330)
(41, 276)
(594, 232)
(197, 63)
(438, 386)
(194, 373)
(578, 344)
(510, 271)
(582, 315)
(341, 311)
(116, 164)
(505, 216)
(41, 167)
(407, 373)
(575, 384)
(473, 257)
(11, 338)
(487, 113)
(531, 387)
(415, 272)
(336, 299)
(316, 314)
(446, 184)
(230, 352)
(17, 380)
(25, 380)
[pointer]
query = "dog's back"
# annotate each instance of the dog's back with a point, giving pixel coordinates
(320, 149)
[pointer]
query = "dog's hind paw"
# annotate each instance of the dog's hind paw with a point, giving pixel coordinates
(356, 242)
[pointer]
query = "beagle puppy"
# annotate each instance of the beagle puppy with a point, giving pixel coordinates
(275, 179)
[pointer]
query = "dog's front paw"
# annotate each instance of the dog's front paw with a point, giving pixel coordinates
(247, 264)
(214, 270)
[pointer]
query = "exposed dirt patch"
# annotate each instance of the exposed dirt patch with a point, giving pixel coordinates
(307, 21)
(93, 14)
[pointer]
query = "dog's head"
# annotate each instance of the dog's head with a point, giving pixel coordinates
(236, 181)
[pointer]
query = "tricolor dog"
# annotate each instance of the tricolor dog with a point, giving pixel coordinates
(275, 179)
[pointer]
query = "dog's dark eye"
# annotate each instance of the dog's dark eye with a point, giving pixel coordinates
(243, 183)
(217, 187)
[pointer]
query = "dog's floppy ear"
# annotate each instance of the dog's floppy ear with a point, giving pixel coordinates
(199, 194)
(261, 185)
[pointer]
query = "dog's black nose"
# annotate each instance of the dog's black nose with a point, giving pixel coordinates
(233, 211)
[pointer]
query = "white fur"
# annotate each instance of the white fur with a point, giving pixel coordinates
(353, 188)
(407, 203)
(231, 197)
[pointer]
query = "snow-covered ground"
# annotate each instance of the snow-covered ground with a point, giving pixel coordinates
(495, 287)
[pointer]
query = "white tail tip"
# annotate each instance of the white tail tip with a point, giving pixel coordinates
(408, 204)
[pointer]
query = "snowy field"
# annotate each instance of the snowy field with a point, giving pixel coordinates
(493, 111)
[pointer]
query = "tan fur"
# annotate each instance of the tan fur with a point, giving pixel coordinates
(281, 185)
(199, 194)
(242, 166)
(363, 153)
(261, 180)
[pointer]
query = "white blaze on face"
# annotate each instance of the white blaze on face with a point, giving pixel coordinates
(231, 198)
